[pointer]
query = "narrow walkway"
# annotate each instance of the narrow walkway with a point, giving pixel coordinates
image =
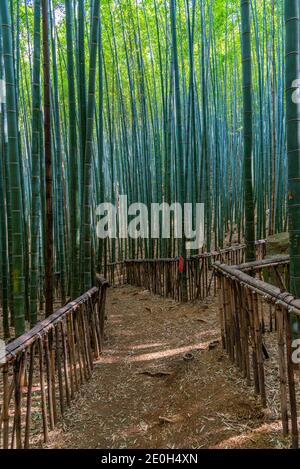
(164, 382)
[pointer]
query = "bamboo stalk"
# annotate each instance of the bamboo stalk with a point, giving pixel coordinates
(5, 408)
(43, 393)
(29, 395)
(282, 370)
(291, 380)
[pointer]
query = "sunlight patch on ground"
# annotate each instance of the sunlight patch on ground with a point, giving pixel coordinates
(154, 355)
(145, 346)
(248, 436)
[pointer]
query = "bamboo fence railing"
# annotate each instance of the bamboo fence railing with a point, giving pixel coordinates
(115, 272)
(246, 303)
(161, 276)
(43, 369)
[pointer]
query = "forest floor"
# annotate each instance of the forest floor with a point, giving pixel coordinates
(163, 381)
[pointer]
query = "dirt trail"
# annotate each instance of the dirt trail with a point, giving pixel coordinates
(164, 382)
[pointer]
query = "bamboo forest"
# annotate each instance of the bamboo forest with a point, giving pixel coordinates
(149, 226)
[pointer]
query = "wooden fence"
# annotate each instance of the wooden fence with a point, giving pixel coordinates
(43, 369)
(249, 306)
(115, 272)
(162, 277)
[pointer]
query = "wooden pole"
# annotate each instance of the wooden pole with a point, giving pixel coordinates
(48, 164)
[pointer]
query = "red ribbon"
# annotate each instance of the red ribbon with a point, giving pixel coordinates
(180, 264)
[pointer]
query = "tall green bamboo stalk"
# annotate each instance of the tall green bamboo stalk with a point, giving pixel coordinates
(48, 163)
(247, 104)
(35, 165)
(179, 143)
(87, 274)
(17, 258)
(4, 274)
(73, 158)
(292, 74)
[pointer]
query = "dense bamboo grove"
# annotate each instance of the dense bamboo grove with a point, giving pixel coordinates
(145, 98)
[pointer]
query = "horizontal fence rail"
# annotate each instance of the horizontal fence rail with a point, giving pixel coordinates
(43, 369)
(163, 277)
(248, 307)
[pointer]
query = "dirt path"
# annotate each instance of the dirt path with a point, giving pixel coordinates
(146, 393)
